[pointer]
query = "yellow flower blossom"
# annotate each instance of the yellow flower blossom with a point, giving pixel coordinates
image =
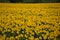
(32, 21)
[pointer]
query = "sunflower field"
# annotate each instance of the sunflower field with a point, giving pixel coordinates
(30, 21)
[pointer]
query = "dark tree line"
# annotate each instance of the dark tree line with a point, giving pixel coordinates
(14, 1)
(30, 1)
(25, 1)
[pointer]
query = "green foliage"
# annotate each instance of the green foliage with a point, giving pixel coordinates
(49, 0)
(30, 1)
(4, 1)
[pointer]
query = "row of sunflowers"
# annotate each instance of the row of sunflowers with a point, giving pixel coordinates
(29, 21)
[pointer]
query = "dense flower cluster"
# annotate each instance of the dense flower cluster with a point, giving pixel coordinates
(29, 22)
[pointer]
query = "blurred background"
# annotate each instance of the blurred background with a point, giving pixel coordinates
(29, 1)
